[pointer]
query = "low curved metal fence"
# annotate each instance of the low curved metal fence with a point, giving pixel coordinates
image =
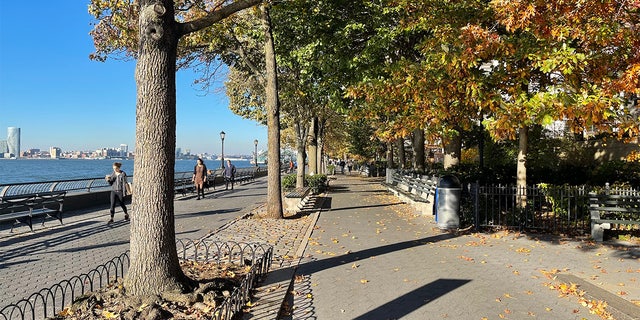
(47, 302)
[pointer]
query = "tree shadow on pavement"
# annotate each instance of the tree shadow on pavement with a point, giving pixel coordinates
(319, 265)
(395, 309)
(411, 301)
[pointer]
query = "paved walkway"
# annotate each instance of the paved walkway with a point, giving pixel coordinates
(356, 253)
(30, 261)
(372, 257)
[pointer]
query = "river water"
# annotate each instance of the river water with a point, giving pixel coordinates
(37, 170)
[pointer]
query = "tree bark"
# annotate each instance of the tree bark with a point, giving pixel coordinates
(418, 150)
(301, 134)
(274, 188)
(313, 146)
(320, 164)
(154, 265)
(401, 156)
(521, 172)
(390, 163)
(452, 151)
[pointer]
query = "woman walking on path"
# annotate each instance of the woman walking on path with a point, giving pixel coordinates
(199, 177)
(118, 181)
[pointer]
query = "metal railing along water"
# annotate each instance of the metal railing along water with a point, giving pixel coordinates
(74, 185)
(48, 302)
(98, 184)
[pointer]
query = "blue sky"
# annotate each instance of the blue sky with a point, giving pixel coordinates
(58, 97)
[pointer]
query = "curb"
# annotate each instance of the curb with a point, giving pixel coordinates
(299, 255)
(619, 308)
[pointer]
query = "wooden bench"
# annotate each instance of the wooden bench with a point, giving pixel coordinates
(212, 175)
(609, 210)
(23, 208)
(245, 175)
(417, 191)
(296, 199)
(183, 185)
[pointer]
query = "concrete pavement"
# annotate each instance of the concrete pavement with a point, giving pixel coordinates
(372, 257)
(30, 261)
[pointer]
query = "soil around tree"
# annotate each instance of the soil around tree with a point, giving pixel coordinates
(214, 281)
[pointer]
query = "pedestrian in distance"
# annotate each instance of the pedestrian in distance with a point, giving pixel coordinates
(291, 166)
(199, 177)
(119, 186)
(229, 175)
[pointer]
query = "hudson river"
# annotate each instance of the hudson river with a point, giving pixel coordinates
(36, 170)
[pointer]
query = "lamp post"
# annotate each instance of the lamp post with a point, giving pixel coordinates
(255, 143)
(222, 155)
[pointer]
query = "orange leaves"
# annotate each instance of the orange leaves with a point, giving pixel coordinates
(594, 306)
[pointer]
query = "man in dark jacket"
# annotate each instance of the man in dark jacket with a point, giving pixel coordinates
(229, 175)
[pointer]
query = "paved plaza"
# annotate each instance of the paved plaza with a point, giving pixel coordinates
(357, 252)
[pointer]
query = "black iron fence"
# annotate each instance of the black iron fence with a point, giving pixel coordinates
(546, 208)
(47, 302)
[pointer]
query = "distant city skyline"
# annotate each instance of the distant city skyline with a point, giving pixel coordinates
(58, 97)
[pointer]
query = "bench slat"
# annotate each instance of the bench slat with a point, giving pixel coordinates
(612, 209)
(22, 208)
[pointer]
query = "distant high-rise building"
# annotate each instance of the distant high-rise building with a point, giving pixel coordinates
(55, 152)
(13, 141)
(3, 147)
(124, 150)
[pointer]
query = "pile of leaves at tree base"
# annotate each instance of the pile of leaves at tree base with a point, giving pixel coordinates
(216, 282)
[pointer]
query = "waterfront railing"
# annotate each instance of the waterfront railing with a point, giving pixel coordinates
(90, 184)
(73, 185)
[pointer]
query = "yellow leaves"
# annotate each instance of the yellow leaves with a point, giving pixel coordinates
(108, 314)
(466, 258)
(364, 281)
(550, 274)
(523, 250)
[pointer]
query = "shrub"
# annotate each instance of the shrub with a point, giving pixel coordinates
(288, 182)
(317, 182)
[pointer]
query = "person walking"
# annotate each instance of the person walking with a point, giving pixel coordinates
(199, 177)
(118, 182)
(229, 175)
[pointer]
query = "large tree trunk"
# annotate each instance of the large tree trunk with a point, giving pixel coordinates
(452, 151)
(390, 163)
(154, 265)
(401, 156)
(301, 134)
(274, 188)
(320, 164)
(521, 172)
(418, 150)
(313, 146)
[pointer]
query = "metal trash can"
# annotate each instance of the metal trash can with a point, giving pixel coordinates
(447, 202)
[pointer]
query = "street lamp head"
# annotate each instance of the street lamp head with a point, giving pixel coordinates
(222, 135)
(255, 142)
